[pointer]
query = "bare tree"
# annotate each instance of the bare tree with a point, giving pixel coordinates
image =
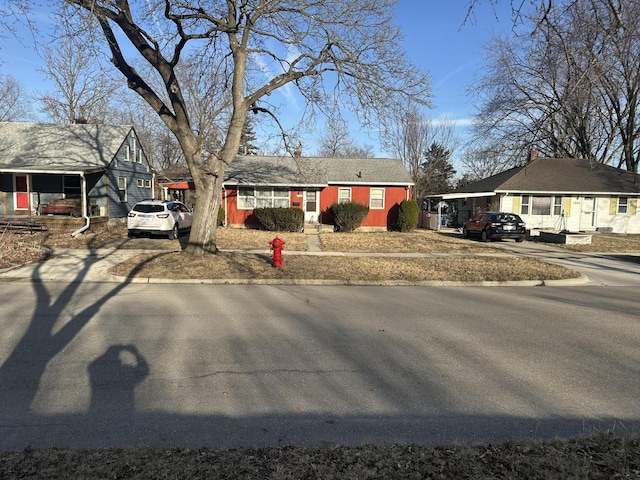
(300, 42)
(571, 88)
(482, 162)
(411, 137)
(13, 102)
(336, 141)
(82, 90)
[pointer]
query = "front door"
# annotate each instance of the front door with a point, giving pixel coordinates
(311, 206)
(588, 214)
(21, 192)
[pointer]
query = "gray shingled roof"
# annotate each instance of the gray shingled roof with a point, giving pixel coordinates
(57, 148)
(315, 171)
(559, 175)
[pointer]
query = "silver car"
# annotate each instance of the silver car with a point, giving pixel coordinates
(167, 217)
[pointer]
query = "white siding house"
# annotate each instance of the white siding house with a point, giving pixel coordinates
(558, 194)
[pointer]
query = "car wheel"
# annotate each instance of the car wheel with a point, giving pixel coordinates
(175, 232)
(483, 236)
(465, 232)
(519, 240)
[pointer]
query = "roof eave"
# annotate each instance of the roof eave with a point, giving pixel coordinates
(50, 172)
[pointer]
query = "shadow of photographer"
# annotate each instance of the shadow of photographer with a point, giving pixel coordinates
(114, 377)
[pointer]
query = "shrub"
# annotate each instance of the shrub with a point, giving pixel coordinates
(280, 219)
(408, 215)
(220, 216)
(348, 216)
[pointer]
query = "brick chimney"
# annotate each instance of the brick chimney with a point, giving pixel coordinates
(533, 154)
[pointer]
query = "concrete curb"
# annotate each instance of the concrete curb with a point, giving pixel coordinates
(386, 283)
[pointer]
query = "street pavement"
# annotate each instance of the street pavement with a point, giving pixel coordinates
(88, 365)
(91, 360)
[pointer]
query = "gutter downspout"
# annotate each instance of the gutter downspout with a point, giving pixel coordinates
(226, 209)
(84, 207)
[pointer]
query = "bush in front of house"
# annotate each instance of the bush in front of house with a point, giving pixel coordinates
(220, 216)
(348, 216)
(408, 215)
(280, 219)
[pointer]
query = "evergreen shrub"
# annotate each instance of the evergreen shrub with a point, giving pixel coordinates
(408, 215)
(348, 216)
(280, 219)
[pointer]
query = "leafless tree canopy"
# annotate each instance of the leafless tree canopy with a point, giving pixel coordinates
(336, 141)
(410, 138)
(570, 87)
(324, 49)
(82, 90)
(13, 102)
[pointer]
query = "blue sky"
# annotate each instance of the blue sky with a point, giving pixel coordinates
(435, 39)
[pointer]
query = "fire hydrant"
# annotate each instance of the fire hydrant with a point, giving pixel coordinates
(277, 245)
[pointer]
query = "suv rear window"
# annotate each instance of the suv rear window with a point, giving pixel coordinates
(145, 208)
(508, 217)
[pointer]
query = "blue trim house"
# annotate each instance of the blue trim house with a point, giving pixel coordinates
(103, 168)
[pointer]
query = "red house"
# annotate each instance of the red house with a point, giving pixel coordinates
(312, 184)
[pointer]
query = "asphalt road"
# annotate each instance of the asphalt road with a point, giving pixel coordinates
(104, 365)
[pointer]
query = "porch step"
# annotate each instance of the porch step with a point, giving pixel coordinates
(311, 228)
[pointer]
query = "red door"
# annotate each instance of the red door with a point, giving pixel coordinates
(22, 193)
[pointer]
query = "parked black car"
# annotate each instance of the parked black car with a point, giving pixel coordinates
(495, 226)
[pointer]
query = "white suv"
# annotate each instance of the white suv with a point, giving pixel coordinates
(159, 216)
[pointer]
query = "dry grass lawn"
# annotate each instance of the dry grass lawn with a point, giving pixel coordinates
(608, 243)
(348, 270)
(596, 457)
(165, 262)
(418, 241)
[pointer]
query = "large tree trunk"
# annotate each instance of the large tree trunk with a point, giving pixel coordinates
(208, 179)
(202, 239)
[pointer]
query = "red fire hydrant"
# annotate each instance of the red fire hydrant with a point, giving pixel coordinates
(277, 245)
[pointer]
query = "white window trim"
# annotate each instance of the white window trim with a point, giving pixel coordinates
(261, 194)
(527, 203)
(372, 199)
(344, 199)
(122, 198)
(622, 205)
(147, 184)
(127, 153)
(140, 183)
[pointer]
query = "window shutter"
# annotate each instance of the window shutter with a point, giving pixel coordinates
(613, 206)
(633, 208)
(566, 206)
(516, 204)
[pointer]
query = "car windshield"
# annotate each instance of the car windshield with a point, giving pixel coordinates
(146, 208)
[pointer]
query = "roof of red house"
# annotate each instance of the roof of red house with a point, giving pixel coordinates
(315, 171)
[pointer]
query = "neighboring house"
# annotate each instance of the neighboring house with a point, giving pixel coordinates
(43, 167)
(312, 184)
(558, 194)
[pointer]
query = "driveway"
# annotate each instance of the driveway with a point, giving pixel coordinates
(605, 269)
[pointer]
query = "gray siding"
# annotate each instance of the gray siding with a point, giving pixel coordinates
(131, 164)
